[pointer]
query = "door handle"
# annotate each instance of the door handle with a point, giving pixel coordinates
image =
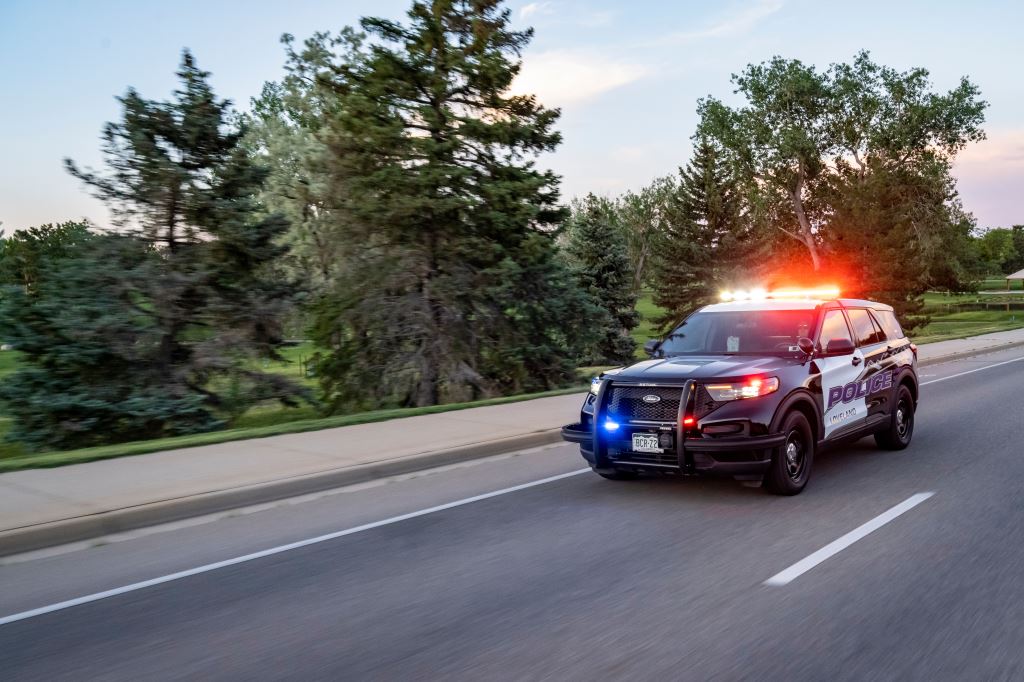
(856, 361)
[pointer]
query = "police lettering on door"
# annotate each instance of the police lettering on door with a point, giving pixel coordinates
(859, 389)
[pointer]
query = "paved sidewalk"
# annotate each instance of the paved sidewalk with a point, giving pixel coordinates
(48, 506)
(947, 350)
(44, 496)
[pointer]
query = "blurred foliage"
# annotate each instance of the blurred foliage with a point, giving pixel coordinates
(152, 331)
(23, 253)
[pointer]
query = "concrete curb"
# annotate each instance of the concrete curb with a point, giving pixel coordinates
(77, 529)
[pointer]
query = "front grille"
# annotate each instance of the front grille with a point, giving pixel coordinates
(663, 458)
(703, 404)
(627, 403)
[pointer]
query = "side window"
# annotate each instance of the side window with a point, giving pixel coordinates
(880, 336)
(890, 324)
(833, 327)
(863, 329)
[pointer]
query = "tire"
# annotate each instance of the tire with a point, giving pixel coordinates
(619, 475)
(901, 423)
(790, 467)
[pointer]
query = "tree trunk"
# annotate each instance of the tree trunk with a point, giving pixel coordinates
(805, 234)
(638, 275)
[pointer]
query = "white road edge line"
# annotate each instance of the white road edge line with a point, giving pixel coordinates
(971, 371)
(276, 550)
(831, 549)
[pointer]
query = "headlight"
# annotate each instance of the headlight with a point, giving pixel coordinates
(595, 385)
(751, 388)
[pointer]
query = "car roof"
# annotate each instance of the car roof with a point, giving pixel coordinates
(767, 304)
(792, 304)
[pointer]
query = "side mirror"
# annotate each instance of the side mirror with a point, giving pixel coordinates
(652, 346)
(839, 347)
(806, 345)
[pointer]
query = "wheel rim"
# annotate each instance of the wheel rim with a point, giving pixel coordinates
(796, 455)
(904, 417)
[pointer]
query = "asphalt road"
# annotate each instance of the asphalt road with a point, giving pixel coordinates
(578, 577)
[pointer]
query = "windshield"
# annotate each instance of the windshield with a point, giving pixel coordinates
(756, 332)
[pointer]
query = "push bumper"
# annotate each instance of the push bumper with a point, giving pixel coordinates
(747, 456)
(580, 434)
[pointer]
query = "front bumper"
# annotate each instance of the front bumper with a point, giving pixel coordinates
(746, 456)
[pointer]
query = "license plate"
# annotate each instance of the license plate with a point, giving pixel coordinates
(646, 442)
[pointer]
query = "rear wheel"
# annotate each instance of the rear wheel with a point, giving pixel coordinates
(790, 468)
(901, 423)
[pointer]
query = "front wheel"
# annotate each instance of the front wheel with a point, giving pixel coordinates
(901, 423)
(790, 468)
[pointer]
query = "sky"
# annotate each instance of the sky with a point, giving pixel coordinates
(626, 74)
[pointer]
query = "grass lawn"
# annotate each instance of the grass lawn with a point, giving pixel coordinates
(994, 283)
(944, 327)
(293, 364)
(55, 459)
(646, 329)
(260, 421)
(8, 362)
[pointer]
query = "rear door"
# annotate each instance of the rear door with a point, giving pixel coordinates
(842, 408)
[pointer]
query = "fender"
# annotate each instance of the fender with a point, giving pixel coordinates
(906, 373)
(799, 396)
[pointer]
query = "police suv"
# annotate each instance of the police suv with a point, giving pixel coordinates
(753, 387)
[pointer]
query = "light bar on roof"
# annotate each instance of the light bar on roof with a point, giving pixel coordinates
(760, 294)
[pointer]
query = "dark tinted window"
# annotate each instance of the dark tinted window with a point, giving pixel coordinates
(863, 329)
(833, 327)
(748, 331)
(889, 323)
(880, 335)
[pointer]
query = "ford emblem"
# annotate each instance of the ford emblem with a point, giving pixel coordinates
(651, 398)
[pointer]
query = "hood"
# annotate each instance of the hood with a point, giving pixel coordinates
(704, 367)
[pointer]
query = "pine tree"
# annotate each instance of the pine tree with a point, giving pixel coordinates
(450, 286)
(197, 301)
(599, 252)
(703, 239)
(90, 370)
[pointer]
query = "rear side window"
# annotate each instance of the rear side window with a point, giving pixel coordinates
(890, 325)
(833, 327)
(866, 331)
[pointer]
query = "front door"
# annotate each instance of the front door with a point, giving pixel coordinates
(843, 404)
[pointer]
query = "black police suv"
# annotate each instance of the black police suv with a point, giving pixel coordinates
(752, 389)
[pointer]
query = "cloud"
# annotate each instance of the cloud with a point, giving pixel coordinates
(739, 21)
(1001, 151)
(560, 77)
(528, 10)
(596, 18)
(631, 153)
(989, 177)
